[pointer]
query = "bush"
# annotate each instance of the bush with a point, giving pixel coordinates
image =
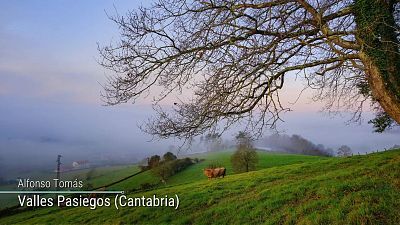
(165, 169)
(143, 168)
(169, 156)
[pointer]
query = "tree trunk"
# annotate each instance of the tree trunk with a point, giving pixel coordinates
(376, 32)
(381, 94)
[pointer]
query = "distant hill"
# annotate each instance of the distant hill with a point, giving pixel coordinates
(355, 190)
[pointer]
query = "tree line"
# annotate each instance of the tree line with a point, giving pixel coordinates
(167, 165)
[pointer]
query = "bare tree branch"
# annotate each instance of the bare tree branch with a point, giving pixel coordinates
(235, 55)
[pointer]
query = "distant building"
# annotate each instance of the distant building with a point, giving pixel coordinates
(80, 164)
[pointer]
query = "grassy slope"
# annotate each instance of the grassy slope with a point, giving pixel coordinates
(266, 160)
(106, 175)
(100, 176)
(194, 172)
(355, 190)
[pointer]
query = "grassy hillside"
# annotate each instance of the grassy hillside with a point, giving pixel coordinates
(102, 175)
(266, 160)
(355, 190)
(96, 177)
(194, 172)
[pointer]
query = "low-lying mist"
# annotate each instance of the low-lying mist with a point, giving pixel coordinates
(34, 132)
(294, 144)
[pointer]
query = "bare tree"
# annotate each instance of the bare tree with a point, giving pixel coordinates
(344, 150)
(245, 157)
(213, 142)
(244, 140)
(236, 54)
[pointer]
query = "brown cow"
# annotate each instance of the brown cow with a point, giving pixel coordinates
(214, 173)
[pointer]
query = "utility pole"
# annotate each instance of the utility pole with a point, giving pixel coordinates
(58, 170)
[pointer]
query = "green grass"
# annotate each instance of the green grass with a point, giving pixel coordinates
(105, 175)
(266, 160)
(355, 190)
(195, 172)
(100, 176)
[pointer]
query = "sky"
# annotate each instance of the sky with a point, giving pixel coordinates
(50, 85)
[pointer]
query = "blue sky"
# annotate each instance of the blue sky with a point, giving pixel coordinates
(50, 83)
(50, 88)
(52, 45)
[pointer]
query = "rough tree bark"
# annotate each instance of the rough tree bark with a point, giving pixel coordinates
(380, 52)
(380, 92)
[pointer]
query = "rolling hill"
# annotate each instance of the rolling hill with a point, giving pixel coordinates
(355, 190)
(194, 172)
(93, 177)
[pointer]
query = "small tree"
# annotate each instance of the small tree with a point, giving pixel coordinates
(154, 161)
(244, 140)
(169, 156)
(164, 170)
(245, 157)
(244, 160)
(344, 150)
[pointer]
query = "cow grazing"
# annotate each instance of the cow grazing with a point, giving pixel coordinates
(214, 173)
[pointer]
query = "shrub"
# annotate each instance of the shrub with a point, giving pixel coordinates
(165, 169)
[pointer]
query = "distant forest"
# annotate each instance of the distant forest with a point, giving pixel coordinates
(295, 144)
